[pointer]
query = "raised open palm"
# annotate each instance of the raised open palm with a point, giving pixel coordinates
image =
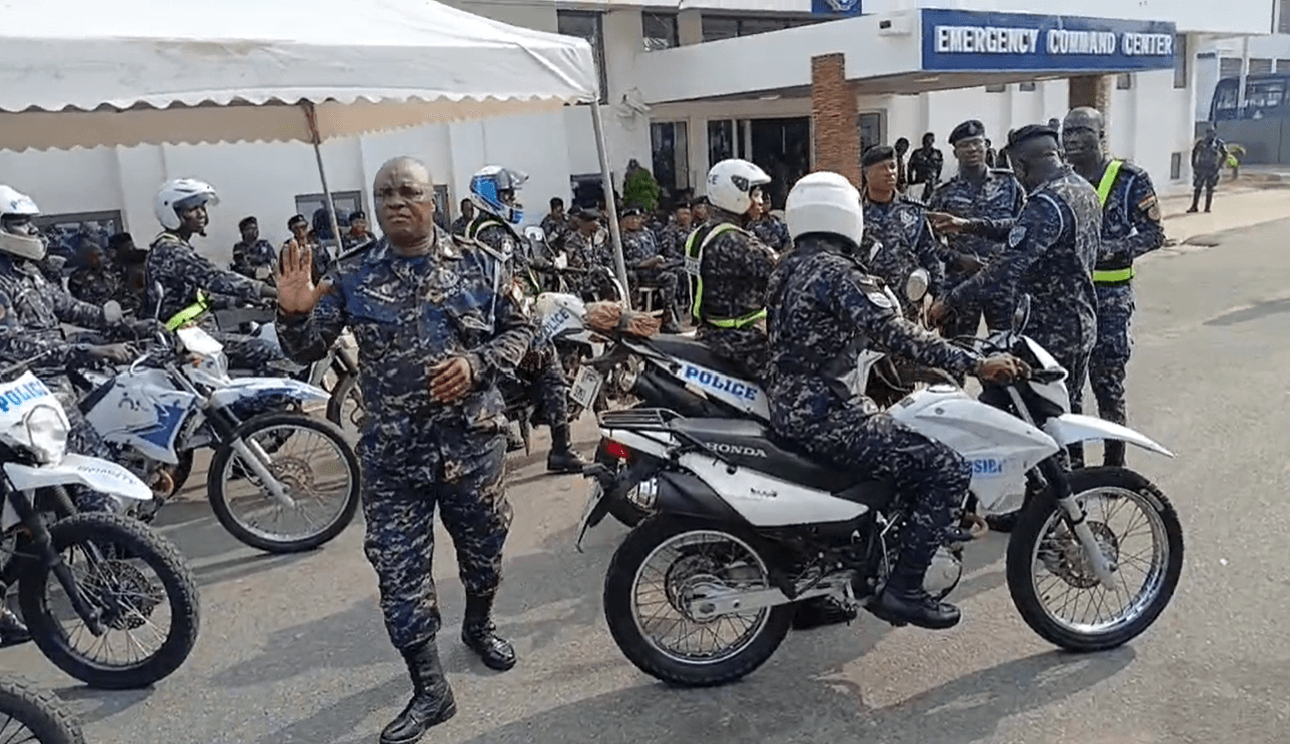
(297, 292)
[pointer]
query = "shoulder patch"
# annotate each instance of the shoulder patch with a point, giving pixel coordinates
(1016, 235)
(874, 292)
(1151, 206)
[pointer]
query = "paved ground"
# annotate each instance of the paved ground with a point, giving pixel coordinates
(292, 649)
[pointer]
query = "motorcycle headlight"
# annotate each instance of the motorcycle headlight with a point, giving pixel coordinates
(47, 431)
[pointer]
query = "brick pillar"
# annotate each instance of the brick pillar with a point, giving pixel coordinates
(1092, 90)
(833, 107)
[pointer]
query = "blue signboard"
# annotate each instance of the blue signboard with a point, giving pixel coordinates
(963, 40)
(836, 7)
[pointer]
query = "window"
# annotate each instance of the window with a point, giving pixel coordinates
(67, 232)
(718, 27)
(1182, 61)
(1124, 81)
(995, 88)
(1283, 17)
(721, 140)
(1028, 86)
(588, 26)
(309, 204)
(1265, 95)
(659, 31)
(588, 189)
(1260, 66)
(1283, 65)
(671, 153)
(1229, 67)
(1175, 166)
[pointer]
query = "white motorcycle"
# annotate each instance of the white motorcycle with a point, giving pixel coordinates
(173, 401)
(83, 581)
(745, 526)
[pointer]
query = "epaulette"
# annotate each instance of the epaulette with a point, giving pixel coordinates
(360, 248)
(911, 200)
(1003, 171)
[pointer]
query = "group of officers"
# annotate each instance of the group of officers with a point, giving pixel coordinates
(439, 322)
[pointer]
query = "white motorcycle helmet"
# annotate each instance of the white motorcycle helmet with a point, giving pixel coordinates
(18, 233)
(824, 202)
(179, 195)
(730, 185)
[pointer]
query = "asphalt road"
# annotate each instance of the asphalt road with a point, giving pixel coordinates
(292, 649)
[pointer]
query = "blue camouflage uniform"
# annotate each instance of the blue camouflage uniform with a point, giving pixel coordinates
(31, 310)
(907, 243)
(1052, 248)
(1131, 228)
(825, 308)
(999, 196)
(408, 314)
(772, 232)
(638, 247)
(254, 261)
(182, 273)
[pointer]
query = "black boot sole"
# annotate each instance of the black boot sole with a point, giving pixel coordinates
(9, 642)
(900, 620)
(567, 470)
(443, 717)
(497, 665)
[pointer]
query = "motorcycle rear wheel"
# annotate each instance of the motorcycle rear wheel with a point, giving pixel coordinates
(39, 716)
(1041, 540)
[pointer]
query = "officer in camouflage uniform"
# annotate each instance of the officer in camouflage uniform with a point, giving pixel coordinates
(900, 225)
(434, 335)
(1052, 248)
(925, 166)
(173, 263)
(647, 266)
(672, 240)
(98, 280)
(729, 268)
(253, 256)
(555, 225)
(975, 192)
(771, 231)
(588, 246)
(1207, 158)
(492, 191)
(825, 308)
(1130, 228)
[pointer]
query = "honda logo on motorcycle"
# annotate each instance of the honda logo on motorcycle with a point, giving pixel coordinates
(720, 383)
(735, 449)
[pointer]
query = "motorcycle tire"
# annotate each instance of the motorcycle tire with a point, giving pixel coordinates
(217, 493)
(620, 592)
(129, 537)
(623, 509)
(345, 390)
(40, 713)
(1022, 555)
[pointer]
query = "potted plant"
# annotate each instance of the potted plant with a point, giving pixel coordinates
(1235, 153)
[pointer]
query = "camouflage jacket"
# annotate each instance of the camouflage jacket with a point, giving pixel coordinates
(32, 310)
(1131, 224)
(907, 243)
(181, 271)
(999, 196)
(735, 270)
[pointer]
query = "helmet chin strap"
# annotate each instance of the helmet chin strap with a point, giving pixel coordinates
(23, 246)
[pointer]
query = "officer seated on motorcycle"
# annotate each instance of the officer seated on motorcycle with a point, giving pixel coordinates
(825, 308)
(492, 191)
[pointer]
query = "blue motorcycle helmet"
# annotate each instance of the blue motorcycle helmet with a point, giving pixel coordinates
(492, 190)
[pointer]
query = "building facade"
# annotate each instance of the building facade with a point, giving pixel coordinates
(686, 86)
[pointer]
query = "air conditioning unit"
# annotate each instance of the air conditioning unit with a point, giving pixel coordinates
(897, 24)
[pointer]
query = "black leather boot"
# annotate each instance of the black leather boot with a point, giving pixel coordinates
(821, 611)
(1195, 202)
(903, 601)
(562, 458)
(1209, 199)
(432, 701)
(477, 633)
(12, 630)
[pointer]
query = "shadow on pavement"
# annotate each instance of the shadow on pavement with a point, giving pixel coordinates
(92, 706)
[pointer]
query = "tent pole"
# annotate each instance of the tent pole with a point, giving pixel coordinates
(311, 116)
(608, 185)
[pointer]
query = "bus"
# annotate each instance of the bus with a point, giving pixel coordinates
(1265, 97)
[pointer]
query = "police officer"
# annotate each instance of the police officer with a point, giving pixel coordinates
(646, 265)
(975, 192)
(302, 236)
(729, 268)
(1052, 248)
(1207, 158)
(358, 233)
(433, 337)
(492, 191)
(771, 231)
(173, 263)
(555, 225)
(588, 247)
(98, 280)
(899, 224)
(824, 308)
(253, 256)
(925, 166)
(1130, 228)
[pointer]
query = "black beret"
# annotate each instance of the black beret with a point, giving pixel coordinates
(247, 221)
(633, 211)
(969, 128)
(357, 214)
(874, 154)
(1029, 132)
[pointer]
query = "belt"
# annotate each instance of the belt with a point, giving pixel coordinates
(1113, 276)
(742, 321)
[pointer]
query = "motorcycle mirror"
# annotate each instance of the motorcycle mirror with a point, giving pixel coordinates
(1022, 316)
(112, 312)
(534, 234)
(160, 292)
(916, 285)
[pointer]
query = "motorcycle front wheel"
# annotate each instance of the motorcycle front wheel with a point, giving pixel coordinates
(108, 556)
(314, 463)
(657, 577)
(1050, 578)
(29, 715)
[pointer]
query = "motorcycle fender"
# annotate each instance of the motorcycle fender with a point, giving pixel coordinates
(251, 387)
(687, 495)
(1070, 428)
(91, 472)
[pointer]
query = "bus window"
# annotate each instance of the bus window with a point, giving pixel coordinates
(1224, 106)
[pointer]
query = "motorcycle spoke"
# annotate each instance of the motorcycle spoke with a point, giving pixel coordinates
(18, 733)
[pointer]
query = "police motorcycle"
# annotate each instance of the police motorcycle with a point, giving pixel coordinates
(744, 525)
(87, 583)
(30, 715)
(178, 397)
(679, 374)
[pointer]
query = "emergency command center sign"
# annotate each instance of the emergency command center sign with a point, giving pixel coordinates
(991, 42)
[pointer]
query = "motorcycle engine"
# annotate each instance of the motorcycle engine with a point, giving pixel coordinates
(944, 572)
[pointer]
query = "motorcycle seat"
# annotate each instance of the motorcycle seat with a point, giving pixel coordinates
(751, 445)
(695, 352)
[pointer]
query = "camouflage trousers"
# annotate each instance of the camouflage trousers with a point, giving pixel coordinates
(966, 320)
(255, 354)
(1074, 358)
(404, 478)
(932, 478)
(548, 388)
(84, 439)
(745, 349)
(1106, 367)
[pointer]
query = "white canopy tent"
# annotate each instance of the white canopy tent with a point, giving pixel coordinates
(87, 73)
